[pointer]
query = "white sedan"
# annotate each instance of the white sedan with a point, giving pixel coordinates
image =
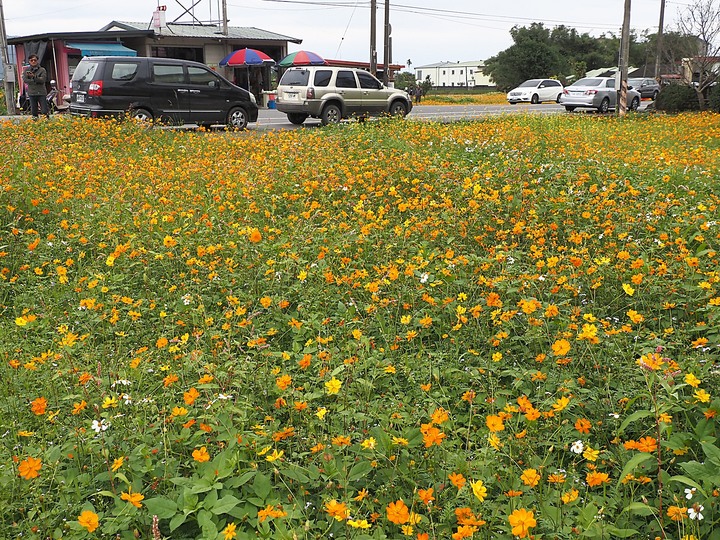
(536, 91)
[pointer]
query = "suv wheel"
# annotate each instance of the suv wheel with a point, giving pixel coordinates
(237, 118)
(143, 115)
(331, 114)
(398, 108)
(297, 118)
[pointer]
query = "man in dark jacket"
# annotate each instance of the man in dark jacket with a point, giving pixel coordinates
(35, 77)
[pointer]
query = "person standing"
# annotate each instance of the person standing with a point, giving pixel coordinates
(35, 77)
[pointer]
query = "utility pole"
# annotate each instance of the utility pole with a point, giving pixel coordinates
(386, 71)
(658, 53)
(225, 29)
(373, 31)
(624, 58)
(8, 71)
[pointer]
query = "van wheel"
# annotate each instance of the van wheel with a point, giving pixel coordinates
(398, 109)
(143, 115)
(237, 118)
(297, 118)
(331, 115)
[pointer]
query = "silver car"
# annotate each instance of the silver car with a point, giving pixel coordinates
(333, 93)
(596, 93)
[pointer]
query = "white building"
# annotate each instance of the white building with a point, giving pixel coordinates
(463, 74)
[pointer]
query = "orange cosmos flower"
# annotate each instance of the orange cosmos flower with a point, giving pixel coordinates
(494, 423)
(677, 513)
(647, 444)
(397, 512)
(530, 477)
(426, 495)
(38, 406)
(583, 425)
(283, 382)
(338, 510)
(457, 480)
(521, 520)
(29, 468)
(431, 435)
(255, 236)
(190, 396)
(89, 520)
(561, 347)
(132, 498)
(201, 455)
(595, 478)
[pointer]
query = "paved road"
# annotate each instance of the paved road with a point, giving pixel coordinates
(270, 119)
(273, 119)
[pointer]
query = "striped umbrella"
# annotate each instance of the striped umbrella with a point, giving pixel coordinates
(302, 58)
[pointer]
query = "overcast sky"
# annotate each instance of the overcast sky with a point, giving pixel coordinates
(423, 31)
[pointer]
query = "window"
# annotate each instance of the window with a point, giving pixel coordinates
(181, 53)
(443, 72)
(471, 72)
(452, 72)
(123, 71)
(322, 77)
(462, 71)
(202, 76)
(368, 81)
(610, 83)
(166, 74)
(296, 77)
(419, 75)
(345, 79)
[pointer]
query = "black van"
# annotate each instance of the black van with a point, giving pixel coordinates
(159, 89)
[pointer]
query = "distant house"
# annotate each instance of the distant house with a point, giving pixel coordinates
(462, 74)
(60, 53)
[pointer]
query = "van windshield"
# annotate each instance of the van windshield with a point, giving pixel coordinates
(295, 77)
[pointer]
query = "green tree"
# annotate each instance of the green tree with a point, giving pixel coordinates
(405, 79)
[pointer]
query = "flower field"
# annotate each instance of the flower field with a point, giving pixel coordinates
(490, 330)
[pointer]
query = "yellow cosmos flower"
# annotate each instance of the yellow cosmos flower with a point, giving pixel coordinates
(132, 498)
(702, 396)
(333, 386)
(479, 490)
(628, 289)
(359, 523)
(692, 380)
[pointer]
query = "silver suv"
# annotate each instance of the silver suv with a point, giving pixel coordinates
(333, 93)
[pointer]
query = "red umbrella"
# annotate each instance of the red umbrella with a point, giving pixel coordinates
(246, 57)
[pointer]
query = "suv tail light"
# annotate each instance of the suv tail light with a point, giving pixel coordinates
(310, 94)
(95, 88)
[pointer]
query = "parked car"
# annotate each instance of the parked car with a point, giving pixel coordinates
(333, 93)
(596, 93)
(536, 91)
(158, 89)
(648, 87)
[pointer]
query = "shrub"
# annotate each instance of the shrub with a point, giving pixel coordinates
(714, 99)
(677, 98)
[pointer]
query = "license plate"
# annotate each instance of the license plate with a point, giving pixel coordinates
(292, 95)
(80, 98)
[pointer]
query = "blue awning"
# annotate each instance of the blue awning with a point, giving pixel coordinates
(102, 49)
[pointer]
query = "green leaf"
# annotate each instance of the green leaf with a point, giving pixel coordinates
(688, 482)
(621, 533)
(695, 469)
(639, 508)
(178, 520)
(162, 507)
(262, 485)
(629, 467)
(637, 415)
(224, 505)
(359, 470)
(712, 452)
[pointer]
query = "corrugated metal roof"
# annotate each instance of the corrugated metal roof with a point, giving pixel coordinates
(205, 31)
